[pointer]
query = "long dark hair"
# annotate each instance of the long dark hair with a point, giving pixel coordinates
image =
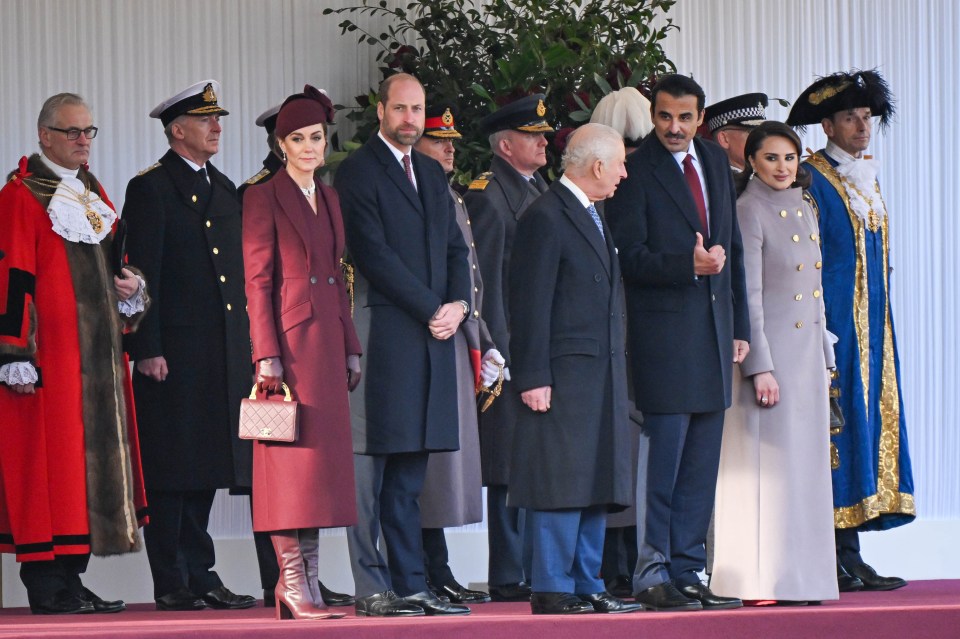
(770, 128)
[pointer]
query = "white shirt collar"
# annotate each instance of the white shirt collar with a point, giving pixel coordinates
(193, 165)
(397, 153)
(839, 154)
(61, 172)
(576, 190)
(680, 155)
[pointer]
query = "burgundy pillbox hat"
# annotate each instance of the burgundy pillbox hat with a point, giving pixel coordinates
(303, 109)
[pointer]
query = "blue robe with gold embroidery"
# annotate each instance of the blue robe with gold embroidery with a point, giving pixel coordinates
(872, 476)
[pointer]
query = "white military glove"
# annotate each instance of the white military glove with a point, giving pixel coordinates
(490, 365)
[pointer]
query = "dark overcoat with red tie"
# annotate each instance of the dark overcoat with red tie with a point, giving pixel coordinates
(681, 327)
(407, 244)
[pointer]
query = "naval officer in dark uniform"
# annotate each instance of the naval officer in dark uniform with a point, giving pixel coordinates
(193, 354)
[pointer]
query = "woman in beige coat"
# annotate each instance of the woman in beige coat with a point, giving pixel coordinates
(774, 508)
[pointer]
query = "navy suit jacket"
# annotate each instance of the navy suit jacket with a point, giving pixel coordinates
(407, 244)
(681, 327)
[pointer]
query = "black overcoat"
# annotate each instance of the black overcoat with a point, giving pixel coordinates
(496, 203)
(681, 327)
(567, 332)
(190, 254)
(407, 244)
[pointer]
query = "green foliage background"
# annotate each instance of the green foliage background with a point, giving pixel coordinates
(485, 54)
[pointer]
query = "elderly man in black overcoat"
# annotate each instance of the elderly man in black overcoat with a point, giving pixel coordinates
(403, 236)
(192, 351)
(674, 223)
(571, 453)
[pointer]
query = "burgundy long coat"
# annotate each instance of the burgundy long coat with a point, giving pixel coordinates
(299, 311)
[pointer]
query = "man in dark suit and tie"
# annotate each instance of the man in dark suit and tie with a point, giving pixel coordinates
(403, 236)
(571, 452)
(674, 222)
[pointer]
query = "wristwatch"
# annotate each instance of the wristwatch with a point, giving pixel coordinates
(466, 307)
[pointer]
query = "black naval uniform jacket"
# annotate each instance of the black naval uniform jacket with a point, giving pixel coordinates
(190, 252)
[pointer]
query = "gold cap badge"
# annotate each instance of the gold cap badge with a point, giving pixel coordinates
(208, 93)
(447, 118)
(541, 109)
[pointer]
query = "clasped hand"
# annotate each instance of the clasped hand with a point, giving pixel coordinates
(445, 322)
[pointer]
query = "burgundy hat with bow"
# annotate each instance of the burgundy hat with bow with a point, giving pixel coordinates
(303, 109)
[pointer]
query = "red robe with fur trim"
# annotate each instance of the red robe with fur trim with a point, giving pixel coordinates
(70, 479)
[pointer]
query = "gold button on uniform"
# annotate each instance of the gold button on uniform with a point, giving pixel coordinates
(819, 264)
(796, 238)
(474, 267)
(799, 324)
(799, 267)
(476, 313)
(193, 198)
(783, 214)
(216, 251)
(229, 307)
(816, 293)
(476, 289)
(798, 297)
(813, 236)
(223, 278)
(799, 213)
(208, 223)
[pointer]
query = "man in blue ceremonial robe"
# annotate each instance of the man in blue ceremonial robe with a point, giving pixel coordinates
(872, 477)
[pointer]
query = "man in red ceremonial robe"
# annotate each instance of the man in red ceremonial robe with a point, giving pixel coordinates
(70, 480)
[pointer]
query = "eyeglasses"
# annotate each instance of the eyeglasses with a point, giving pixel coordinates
(73, 132)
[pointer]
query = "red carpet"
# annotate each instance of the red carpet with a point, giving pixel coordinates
(922, 609)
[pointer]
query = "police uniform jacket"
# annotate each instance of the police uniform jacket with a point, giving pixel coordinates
(189, 248)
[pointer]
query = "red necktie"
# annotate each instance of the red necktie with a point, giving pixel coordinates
(696, 190)
(409, 170)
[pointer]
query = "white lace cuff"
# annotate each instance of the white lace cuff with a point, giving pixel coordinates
(18, 373)
(135, 304)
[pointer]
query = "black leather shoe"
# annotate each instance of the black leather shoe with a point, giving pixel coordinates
(222, 599)
(99, 605)
(707, 599)
(872, 581)
(456, 593)
(621, 587)
(269, 599)
(510, 592)
(386, 604)
(432, 605)
(847, 582)
(558, 603)
(181, 599)
(62, 602)
(335, 599)
(666, 597)
(605, 602)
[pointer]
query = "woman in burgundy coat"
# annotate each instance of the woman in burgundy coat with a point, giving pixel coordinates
(302, 335)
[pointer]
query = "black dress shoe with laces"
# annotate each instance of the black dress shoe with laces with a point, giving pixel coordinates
(872, 581)
(709, 601)
(456, 593)
(605, 602)
(510, 592)
(666, 598)
(386, 604)
(99, 605)
(335, 599)
(847, 582)
(222, 599)
(433, 605)
(63, 602)
(558, 603)
(180, 600)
